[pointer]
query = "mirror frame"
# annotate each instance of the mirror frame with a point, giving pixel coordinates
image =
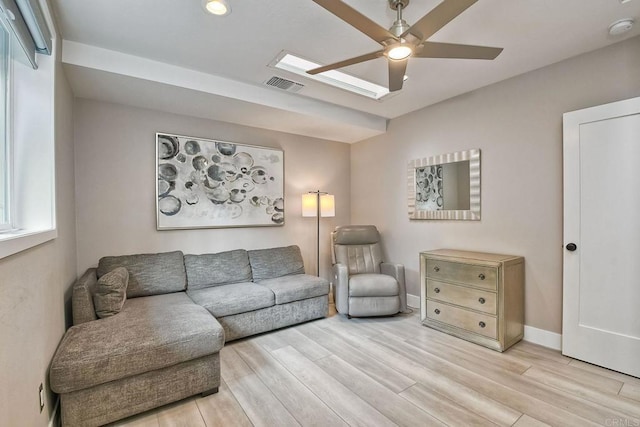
(473, 214)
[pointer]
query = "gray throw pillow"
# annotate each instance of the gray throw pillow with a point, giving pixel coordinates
(111, 292)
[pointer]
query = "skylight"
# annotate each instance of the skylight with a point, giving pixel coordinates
(300, 66)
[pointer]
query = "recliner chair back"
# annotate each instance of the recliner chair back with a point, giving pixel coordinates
(357, 247)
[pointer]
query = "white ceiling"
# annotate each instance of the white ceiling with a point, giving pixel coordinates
(237, 49)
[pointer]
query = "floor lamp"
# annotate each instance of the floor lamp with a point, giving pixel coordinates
(318, 204)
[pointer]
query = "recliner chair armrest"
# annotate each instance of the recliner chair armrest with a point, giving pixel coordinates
(341, 278)
(397, 272)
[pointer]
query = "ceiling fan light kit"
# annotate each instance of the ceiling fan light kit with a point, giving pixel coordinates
(403, 41)
(216, 7)
(400, 51)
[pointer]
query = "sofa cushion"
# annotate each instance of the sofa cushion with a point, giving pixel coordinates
(149, 333)
(149, 274)
(296, 287)
(373, 285)
(111, 292)
(275, 262)
(226, 300)
(222, 268)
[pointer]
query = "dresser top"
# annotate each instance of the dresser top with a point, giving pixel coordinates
(471, 255)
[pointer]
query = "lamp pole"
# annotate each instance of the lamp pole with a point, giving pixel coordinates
(318, 193)
(324, 207)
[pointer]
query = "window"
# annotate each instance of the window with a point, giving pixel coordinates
(27, 129)
(4, 121)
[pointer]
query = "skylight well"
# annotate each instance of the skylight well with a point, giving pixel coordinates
(300, 66)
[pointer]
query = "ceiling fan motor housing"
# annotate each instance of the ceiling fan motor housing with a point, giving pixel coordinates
(399, 27)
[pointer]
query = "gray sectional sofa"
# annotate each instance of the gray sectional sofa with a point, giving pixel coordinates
(164, 344)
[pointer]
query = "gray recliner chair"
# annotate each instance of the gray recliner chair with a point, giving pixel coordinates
(364, 285)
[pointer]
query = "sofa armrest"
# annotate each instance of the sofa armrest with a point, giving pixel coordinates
(82, 300)
(397, 272)
(341, 278)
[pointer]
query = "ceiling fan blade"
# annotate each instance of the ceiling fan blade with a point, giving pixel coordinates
(458, 51)
(438, 17)
(397, 69)
(351, 61)
(356, 20)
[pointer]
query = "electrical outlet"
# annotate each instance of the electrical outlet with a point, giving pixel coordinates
(41, 396)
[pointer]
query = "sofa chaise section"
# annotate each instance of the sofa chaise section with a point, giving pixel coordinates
(158, 349)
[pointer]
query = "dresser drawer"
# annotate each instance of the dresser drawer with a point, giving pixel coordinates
(475, 322)
(475, 299)
(475, 275)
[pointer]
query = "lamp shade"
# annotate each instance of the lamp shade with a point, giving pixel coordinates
(327, 205)
(309, 204)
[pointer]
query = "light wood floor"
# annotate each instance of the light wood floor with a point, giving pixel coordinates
(393, 371)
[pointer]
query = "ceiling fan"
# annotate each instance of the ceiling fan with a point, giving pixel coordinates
(402, 41)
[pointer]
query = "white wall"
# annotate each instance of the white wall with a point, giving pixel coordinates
(35, 289)
(518, 126)
(115, 185)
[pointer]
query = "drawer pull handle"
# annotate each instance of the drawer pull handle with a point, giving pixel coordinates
(481, 300)
(437, 311)
(482, 324)
(436, 290)
(436, 268)
(481, 276)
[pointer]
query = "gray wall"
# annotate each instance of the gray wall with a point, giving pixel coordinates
(518, 126)
(115, 185)
(34, 289)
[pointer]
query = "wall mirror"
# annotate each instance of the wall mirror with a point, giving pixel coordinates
(445, 186)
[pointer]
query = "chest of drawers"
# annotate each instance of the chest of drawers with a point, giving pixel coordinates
(475, 296)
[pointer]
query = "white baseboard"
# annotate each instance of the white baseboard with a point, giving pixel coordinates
(543, 337)
(531, 334)
(413, 301)
(53, 421)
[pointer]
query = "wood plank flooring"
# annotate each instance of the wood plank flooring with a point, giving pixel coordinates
(393, 371)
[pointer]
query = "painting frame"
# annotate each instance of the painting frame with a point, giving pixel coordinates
(228, 184)
(473, 213)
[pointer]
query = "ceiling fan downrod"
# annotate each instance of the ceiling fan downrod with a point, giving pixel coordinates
(399, 26)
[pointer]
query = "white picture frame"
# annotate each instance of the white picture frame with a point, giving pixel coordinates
(418, 210)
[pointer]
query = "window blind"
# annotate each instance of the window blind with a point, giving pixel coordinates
(27, 22)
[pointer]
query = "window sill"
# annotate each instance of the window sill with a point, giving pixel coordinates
(12, 242)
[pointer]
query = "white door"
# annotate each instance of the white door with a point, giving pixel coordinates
(601, 298)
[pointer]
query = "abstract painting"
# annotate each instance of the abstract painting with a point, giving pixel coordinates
(203, 183)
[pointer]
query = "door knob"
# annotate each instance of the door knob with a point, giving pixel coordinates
(571, 247)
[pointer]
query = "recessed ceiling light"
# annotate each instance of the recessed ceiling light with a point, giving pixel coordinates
(620, 27)
(217, 7)
(405, 78)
